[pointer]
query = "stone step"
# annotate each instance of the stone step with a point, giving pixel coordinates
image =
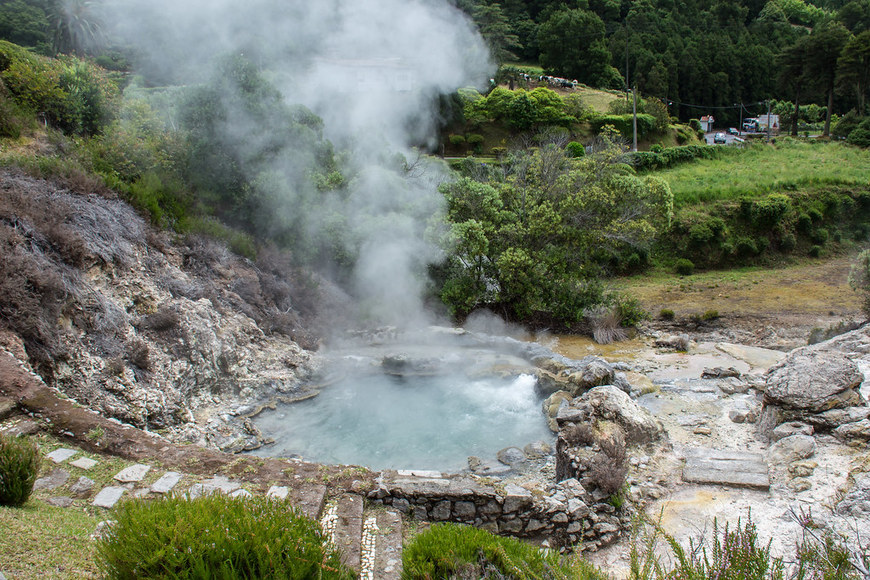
(730, 468)
(382, 546)
(347, 536)
(310, 500)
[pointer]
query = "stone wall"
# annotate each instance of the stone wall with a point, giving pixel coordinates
(565, 515)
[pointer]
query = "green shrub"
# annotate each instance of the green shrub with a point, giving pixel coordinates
(820, 236)
(457, 551)
(710, 315)
(695, 124)
(456, 140)
(815, 251)
(656, 148)
(733, 554)
(630, 311)
(666, 314)
(815, 215)
(684, 267)
(575, 149)
(769, 211)
(215, 537)
(19, 466)
(474, 139)
(788, 242)
(804, 223)
(746, 247)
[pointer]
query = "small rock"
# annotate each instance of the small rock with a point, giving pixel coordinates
(858, 431)
(799, 484)
(792, 448)
(61, 502)
(61, 455)
(83, 488)
(719, 373)
(802, 468)
(53, 480)
(702, 431)
(789, 429)
(511, 456)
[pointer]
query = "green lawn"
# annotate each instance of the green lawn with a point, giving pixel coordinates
(763, 169)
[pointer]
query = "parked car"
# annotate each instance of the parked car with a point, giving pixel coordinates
(733, 131)
(719, 138)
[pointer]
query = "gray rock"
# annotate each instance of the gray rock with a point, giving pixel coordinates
(792, 448)
(464, 509)
(814, 381)
(535, 525)
(61, 455)
(441, 512)
(596, 372)
(577, 509)
(516, 498)
(858, 431)
(278, 492)
(108, 497)
(802, 468)
(53, 480)
(402, 505)
(610, 403)
(512, 456)
(83, 488)
(510, 526)
(734, 468)
(620, 381)
(85, 463)
(537, 450)
(719, 373)
(789, 429)
(166, 482)
(61, 502)
(744, 412)
(856, 502)
(680, 342)
(133, 474)
(836, 417)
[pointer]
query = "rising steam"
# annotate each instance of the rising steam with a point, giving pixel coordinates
(371, 69)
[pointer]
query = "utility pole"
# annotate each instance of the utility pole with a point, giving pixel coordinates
(768, 121)
(740, 127)
(634, 122)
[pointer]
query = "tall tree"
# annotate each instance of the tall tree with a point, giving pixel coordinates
(824, 46)
(853, 68)
(572, 45)
(792, 64)
(77, 28)
(496, 30)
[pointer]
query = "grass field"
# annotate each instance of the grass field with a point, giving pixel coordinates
(763, 169)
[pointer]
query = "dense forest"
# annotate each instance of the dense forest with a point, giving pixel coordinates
(698, 57)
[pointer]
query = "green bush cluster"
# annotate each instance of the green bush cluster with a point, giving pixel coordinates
(73, 95)
(216, 536)
(672, 156)
(19, 467)
(646, 124)
(457, 551)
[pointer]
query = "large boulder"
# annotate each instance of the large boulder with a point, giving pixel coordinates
(814, 381)
(611, 404)
(594, 372)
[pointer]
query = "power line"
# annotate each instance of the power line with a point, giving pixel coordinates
(721, 107)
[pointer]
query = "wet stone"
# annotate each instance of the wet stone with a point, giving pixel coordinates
(53, 480)
(726, 468)
(61, 455)
(133, 474)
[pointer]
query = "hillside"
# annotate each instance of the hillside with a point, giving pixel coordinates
(175, 336)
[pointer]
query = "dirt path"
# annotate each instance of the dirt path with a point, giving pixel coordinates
(773, 308)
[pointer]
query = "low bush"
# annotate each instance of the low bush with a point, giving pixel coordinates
(788, 243)
(457, 551)
(216, 537)
(575, 149)
(734, 554)
(19, 466)
(815, 251)
(666, 314)
(608, 467)
(684, 267)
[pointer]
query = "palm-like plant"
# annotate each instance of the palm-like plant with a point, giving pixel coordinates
(76, 26)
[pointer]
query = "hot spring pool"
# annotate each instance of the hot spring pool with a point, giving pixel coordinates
(407, 422)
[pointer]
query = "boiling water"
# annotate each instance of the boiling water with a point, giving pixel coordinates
(408, 422)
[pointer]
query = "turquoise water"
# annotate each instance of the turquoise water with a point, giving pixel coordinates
(386, 422)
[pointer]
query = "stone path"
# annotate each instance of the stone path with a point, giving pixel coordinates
(370, 540)
(734, 468)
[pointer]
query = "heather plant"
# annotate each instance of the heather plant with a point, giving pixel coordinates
(732, 554)
(19, 466)
(216, 536)
(457, 551)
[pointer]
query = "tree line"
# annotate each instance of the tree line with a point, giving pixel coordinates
(698, 57)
